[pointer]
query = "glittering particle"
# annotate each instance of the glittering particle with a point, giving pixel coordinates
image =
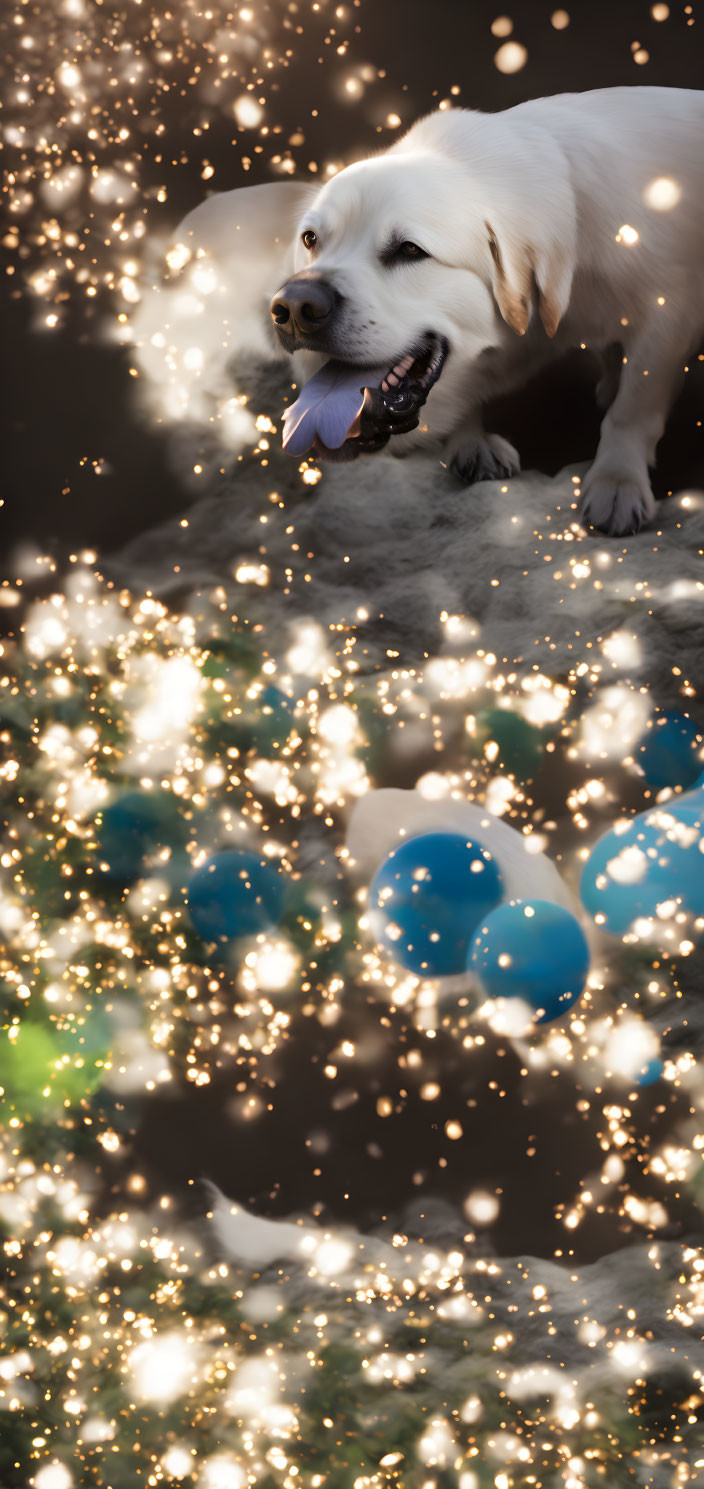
(510, 57)
(164, 1366)
(662, 194)
(247, 111)
(54, 1475)
(481, 1207)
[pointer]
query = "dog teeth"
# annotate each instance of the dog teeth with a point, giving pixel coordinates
(433, 371)
(397, 373)
(390, 408)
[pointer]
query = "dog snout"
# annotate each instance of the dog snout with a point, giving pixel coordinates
(303, 307)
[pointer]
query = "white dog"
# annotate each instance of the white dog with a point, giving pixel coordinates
(446, 269)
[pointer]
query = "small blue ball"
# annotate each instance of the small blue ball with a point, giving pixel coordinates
(428, 898)
(272, 697)
(534, 950)
(235, 894)
(650, 1073)
(654, 859)
(668, 751)
(133, 826)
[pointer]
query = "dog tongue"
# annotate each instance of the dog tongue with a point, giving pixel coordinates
(328, 406)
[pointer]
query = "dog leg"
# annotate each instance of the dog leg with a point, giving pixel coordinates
(608, 384)
(475, 456)
(616, 494)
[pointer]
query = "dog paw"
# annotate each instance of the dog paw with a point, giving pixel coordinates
(616, 503)
(486, 457)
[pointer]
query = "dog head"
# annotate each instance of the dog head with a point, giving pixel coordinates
(381, 260)
(419, 252)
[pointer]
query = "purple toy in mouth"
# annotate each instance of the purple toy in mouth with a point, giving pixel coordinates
(358, 409)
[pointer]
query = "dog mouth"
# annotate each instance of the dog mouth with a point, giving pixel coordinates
(344, 411)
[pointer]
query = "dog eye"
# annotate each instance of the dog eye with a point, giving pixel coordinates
(309, 238)
(405, 250)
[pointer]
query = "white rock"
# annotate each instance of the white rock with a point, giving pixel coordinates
(381, 820)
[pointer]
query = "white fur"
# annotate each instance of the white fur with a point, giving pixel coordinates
(549, 184)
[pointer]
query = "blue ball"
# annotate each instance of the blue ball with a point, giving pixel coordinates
(134, 826)
(235, 894)
(650, 1073)
(535, 950)
(668, 751)
(655, 859)
(274, 700)
(428, 898)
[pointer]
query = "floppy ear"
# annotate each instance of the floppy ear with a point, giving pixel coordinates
(516, 264)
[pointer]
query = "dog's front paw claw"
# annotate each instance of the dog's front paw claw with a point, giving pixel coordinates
(489, 459)
(616, 504)
(478, 466)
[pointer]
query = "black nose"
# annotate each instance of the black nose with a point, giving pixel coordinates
(303, 306)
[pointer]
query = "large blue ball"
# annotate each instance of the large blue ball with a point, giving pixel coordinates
(655, 859)
(235, 894)
(668, 751)
(428, 898)
(134, 826)
(535, 950)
